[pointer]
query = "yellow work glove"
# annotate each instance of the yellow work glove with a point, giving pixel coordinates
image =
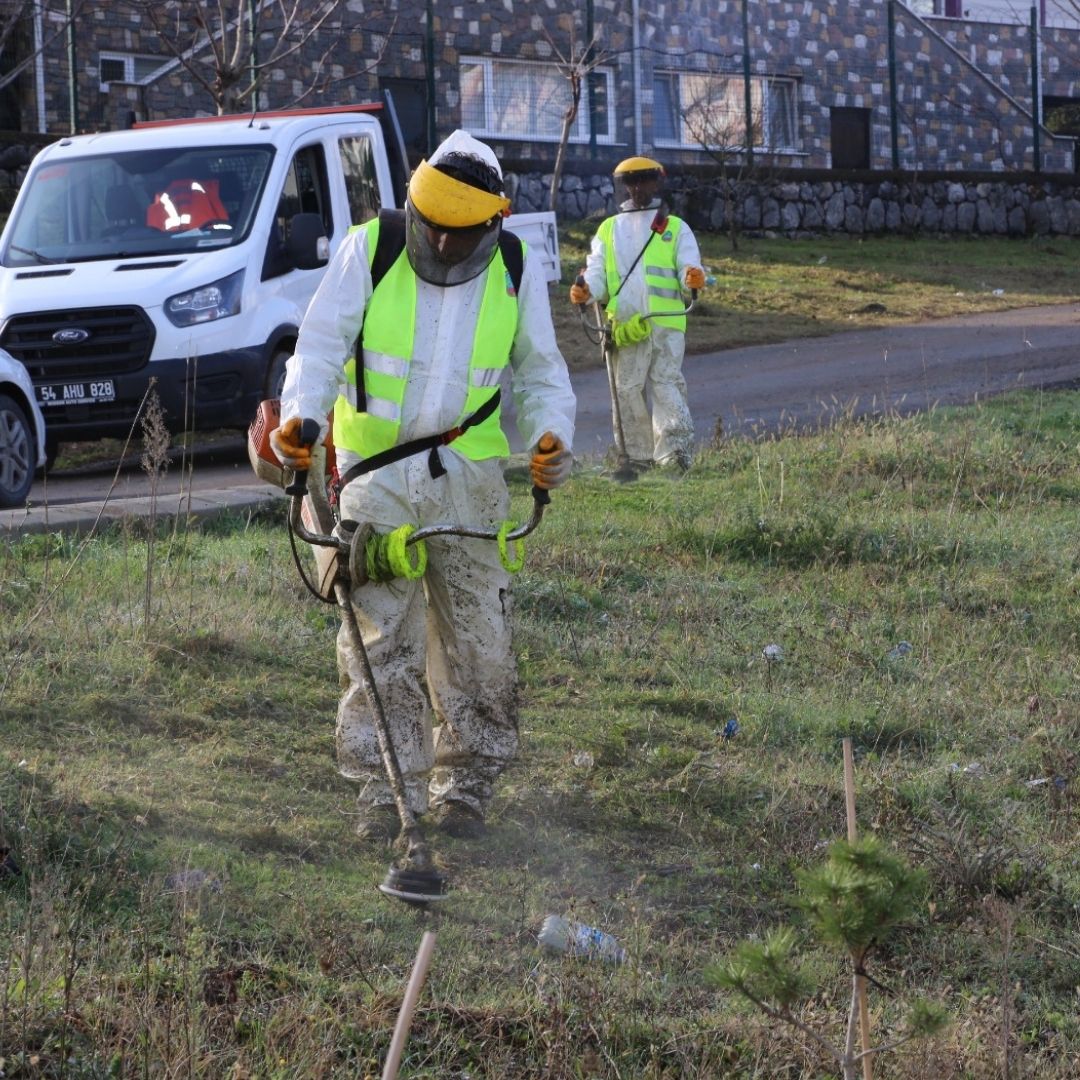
(580, 294)
(551, 461)
(632, 331)
(285, 441)
(695, 278)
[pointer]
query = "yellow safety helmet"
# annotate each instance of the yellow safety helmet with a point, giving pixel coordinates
(444, 201)
(638, 165)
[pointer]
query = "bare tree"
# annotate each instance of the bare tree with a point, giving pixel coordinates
(29, 28)
(576, 64)
(712, 112)
(228, 46)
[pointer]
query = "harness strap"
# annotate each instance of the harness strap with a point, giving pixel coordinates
(430, 443)
(659, 224)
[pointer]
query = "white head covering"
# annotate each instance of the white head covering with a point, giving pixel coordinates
(461, 142)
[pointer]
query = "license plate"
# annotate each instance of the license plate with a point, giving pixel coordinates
(76, 393)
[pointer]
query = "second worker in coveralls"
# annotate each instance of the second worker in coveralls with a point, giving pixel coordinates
(439, 330)
(638, 262)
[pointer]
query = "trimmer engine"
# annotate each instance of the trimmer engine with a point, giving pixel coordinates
(261, 454)
(317, 514)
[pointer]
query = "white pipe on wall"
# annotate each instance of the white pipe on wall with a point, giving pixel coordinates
(39, 68)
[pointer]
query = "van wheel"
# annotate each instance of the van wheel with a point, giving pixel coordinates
(18, 453)
(275, 372)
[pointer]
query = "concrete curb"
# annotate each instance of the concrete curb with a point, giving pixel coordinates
(82, 517)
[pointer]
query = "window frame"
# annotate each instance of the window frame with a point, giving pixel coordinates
(129, 61)
(764, 82)
(369, 183)
(579, 133)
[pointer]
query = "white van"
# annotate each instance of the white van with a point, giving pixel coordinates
(185, 252)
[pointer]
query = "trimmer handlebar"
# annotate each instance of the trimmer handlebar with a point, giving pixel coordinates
(668, 314)
(309, 433)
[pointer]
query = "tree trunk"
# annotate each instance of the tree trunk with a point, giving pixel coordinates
(556, 173)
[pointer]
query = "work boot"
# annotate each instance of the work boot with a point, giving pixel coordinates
(379, 822)
(677, 462)
(458, 819)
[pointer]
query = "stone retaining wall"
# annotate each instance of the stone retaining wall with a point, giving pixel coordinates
(788, 205)
(793, 206)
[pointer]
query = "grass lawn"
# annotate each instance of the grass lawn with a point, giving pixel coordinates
(772, 290)
(190, 900)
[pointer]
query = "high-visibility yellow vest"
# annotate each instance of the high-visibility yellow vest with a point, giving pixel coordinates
(661, 274)
(388, 341)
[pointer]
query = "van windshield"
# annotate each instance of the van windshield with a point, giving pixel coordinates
(145, 202)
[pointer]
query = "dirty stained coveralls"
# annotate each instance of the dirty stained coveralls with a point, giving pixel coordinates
(655, 363)
(448, 632)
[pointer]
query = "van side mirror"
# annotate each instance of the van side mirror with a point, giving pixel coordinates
(308, 246)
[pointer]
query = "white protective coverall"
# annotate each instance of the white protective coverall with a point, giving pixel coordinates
(655, 363)
(443, 642)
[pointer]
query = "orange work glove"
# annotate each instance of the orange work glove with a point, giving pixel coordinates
(551, 461)
(695, 278)
(580, 294)
(285, 441)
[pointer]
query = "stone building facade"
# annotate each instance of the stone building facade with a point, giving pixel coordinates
(826, 84)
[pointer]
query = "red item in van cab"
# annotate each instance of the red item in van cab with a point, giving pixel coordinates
(186, 204)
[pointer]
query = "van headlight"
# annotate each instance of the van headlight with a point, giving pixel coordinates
(217, 300)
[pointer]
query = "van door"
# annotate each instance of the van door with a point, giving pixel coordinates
(357, 154)
(306, 190)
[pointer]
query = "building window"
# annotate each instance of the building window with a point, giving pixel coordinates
(709, 111)
(518, 99)
(127, 68)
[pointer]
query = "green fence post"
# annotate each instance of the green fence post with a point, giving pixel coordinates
(429, 49)
(253, 56)
(590, 88)
(1036, 92)
(894, 108)
(747, 95)
(73, 77)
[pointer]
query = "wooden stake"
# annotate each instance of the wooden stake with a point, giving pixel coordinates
(860, 980)
(408, 1005)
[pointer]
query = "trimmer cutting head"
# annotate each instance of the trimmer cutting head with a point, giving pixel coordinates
(416, 887)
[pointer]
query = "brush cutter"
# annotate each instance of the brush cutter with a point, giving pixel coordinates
(345, 555)
(610, 336)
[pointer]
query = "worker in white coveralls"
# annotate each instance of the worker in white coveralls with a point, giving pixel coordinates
(637, 262)
(442, 325)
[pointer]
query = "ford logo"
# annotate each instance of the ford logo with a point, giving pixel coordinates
(72, 335)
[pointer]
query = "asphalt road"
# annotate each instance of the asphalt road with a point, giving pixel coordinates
(756, 390)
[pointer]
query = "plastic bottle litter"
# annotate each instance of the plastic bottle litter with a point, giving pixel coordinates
(577, 939)
(899, 651)
(731, 728)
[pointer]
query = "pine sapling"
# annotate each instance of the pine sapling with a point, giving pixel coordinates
(851, 903)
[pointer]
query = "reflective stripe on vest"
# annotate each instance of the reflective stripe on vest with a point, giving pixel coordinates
(389, 329)
(661, 271)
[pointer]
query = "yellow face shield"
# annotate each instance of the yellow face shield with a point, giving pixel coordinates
(444, 201)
